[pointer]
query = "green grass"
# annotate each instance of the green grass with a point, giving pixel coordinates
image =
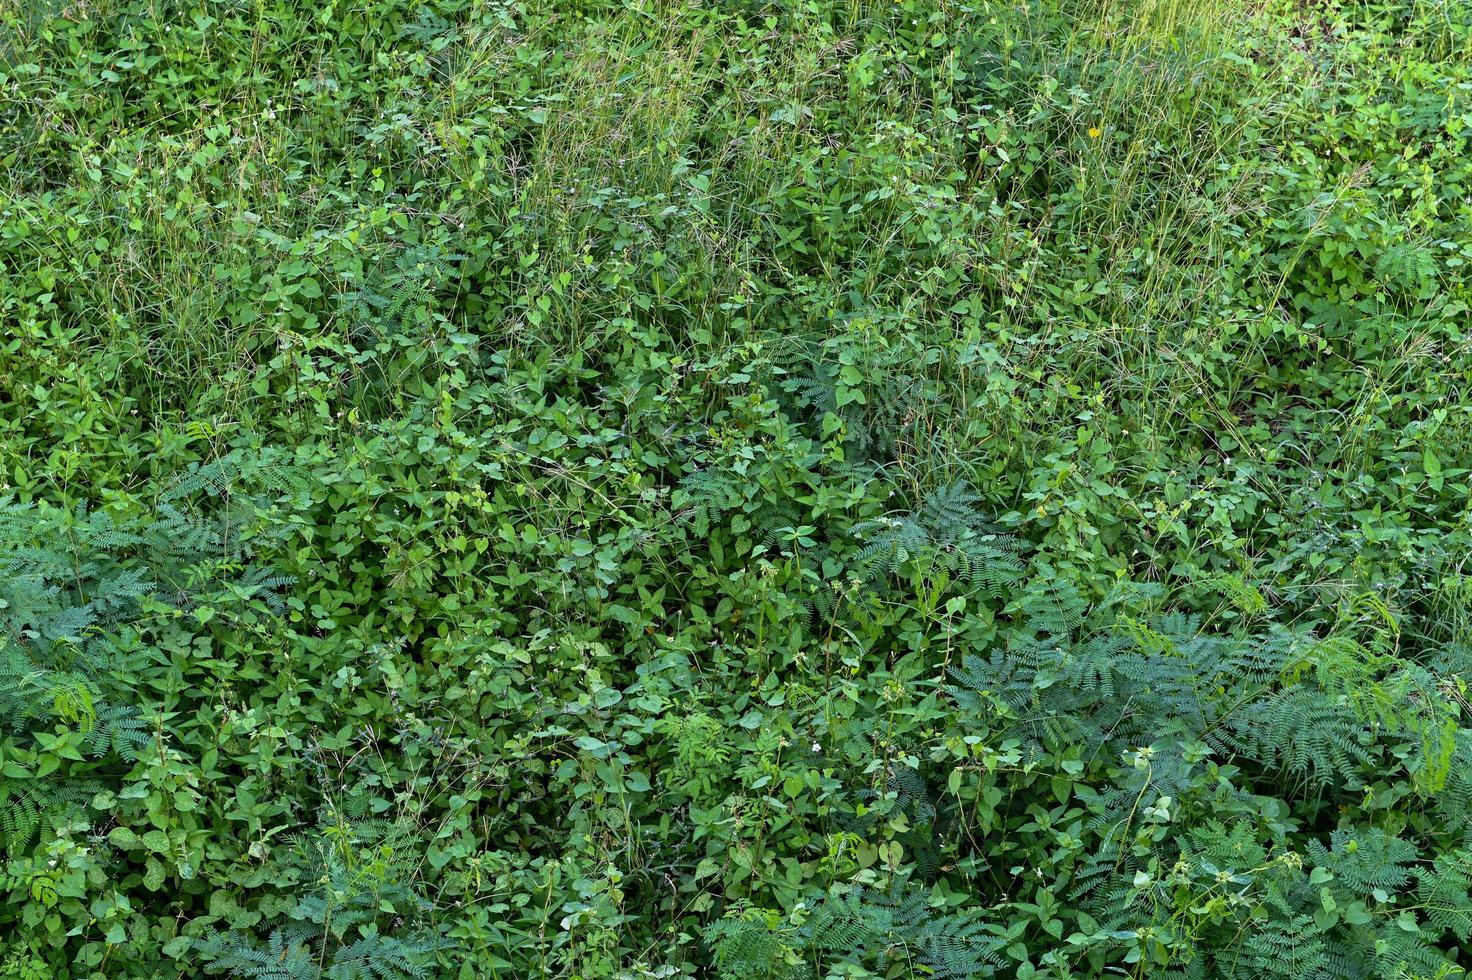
(792, 489)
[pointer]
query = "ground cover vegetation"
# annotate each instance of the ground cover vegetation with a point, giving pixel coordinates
(760, 489)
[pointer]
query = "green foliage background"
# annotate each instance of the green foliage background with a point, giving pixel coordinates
(810, 488)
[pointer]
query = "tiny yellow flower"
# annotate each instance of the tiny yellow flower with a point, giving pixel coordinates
(1094, 132)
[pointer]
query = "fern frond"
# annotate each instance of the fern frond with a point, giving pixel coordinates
(27, 804)
(280, 958)
(384, 958)
(1367, 860)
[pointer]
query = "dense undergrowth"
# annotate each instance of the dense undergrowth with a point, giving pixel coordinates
(795, 489)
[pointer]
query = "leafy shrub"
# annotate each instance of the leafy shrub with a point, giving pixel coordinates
(775, 488)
